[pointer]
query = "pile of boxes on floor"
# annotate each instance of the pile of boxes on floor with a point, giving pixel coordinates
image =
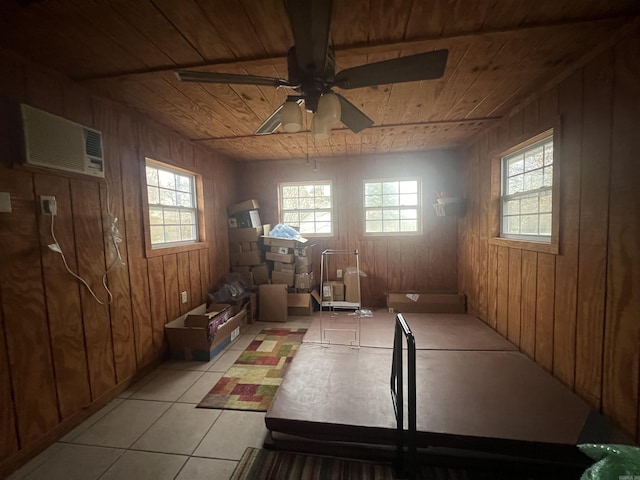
(281, 268)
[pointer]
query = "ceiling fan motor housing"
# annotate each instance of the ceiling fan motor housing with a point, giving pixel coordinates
(312, 86)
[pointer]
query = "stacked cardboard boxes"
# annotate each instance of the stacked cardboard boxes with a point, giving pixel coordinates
(292, 263)
(245, 242)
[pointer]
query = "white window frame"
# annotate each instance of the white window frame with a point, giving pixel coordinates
(282, 210)
(417, 206)
(194, 209)
(545, 140)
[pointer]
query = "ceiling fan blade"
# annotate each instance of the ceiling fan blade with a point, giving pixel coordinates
(310, 23)
(271, 124)
(424, 66)
(352, 117)
(214, 77)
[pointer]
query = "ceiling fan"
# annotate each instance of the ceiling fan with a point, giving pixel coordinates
(312, 77)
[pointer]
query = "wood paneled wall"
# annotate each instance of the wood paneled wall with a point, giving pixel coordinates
(576, 313)
(61, 352)
(423, 262)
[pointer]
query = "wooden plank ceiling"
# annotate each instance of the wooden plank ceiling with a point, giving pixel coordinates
(499, 52)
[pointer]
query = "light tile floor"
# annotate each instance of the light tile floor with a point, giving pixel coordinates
(153, 430)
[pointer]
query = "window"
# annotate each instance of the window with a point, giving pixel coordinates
(307, 207)
(172, 204)
(527, 192)
(392, 206)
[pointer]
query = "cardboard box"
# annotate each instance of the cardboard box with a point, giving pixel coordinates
(273, 303)
(241, 269)
(260, 274)
(337, 290)
(243, 206)
(250, 219)
(245, 258)
(327, 292)
(286, 278)
(303, 261)
(254, 246)
(193, 343)
(245, 247)
(280, 257)
(281, 250)
(283, 242)
(426, 302)
(303, 251)
(283, 267)
(302, 303)
(351, 286)
(307, 269)
(304, 280)
(252, 308)
(239, 235)
(216, 315)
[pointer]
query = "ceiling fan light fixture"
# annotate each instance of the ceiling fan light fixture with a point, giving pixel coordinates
(291, 117)
(329, 109)
(320, 129)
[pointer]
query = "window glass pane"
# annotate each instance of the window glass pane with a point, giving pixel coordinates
(529, 224)
(391, 226)
(529, 205)
(390, 214)
(168, 197)
(390, 200)
(371, 201)
(323, 216)
(410, 186)
(533, 158)
(185, 200)
(306, 190)
(307, 227)
(172, 233)
(323, 202)
(409, 199)
(373, 188)
(152, 176)
(545, 224)
(390, 187)
(290, 203)
(408, 213)
(187, 217)
(183, 183)
(155, 216)
(409, 225)
(289, 192)
(512, 207)
(323, 227)
(548, 176)
(171, 217)
(157, 234)
(533, 180)
(545, 202)
(373, 214)
(188, 232)
(306, 216)
(153, 196)
(515, 165)
(322, 190)
(515, 184)
(548, 153)
(374, 226)
(290, 218)
(306, 203)
(513, 225)
(166, 179)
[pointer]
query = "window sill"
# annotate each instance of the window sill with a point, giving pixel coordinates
(525, 245)
(161, 251)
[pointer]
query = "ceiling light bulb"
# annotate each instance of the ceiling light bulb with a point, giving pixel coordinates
(329, 108)
(291, 117)
(320, 130)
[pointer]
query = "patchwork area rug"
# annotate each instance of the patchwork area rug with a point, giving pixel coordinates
(252, 381)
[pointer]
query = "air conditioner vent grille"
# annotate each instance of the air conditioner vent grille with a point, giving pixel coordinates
(93, 142)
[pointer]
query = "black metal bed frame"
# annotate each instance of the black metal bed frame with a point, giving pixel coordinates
(406, 440)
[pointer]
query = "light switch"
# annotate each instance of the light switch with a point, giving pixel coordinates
(5, 202)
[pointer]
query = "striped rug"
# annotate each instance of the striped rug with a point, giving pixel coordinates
(257, 464)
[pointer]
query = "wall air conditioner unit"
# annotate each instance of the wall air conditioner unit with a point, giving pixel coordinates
(53, 142)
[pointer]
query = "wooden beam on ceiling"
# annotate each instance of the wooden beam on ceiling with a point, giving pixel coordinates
(613, 23)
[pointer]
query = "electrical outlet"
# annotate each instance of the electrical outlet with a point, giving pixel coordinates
(48, 205)
(339, 273)
(183, 296)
